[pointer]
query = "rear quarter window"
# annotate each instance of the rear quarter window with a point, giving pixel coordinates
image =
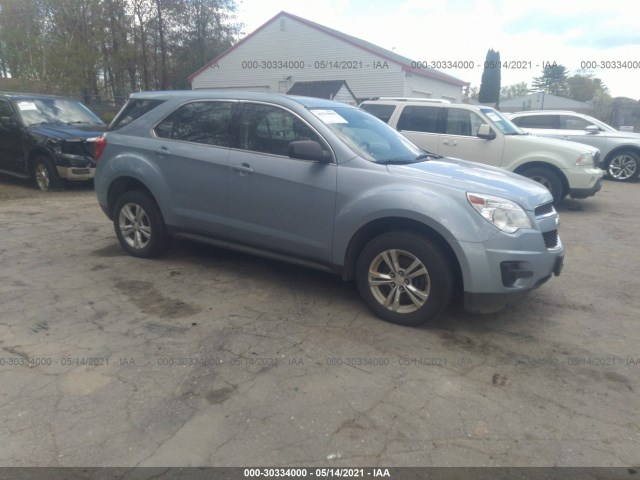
(383, 112)
(134, 109)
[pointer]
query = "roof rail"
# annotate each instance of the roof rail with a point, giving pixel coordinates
(412, 99)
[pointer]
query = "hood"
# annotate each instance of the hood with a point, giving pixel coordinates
(478, 178)
(69, 132)
(554, 144)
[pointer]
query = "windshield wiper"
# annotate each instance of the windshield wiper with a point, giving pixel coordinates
(428, 156)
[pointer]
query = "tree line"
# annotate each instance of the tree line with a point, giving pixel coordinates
(102, 50)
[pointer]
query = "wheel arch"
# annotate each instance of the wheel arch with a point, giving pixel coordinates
(388, 224)
(620, 149)
(548, 166)
(125, 184)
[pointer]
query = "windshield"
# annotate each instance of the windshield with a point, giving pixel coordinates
(501, 122)
(368, 136)
(36, 111)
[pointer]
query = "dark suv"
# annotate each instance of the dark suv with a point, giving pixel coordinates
(47, 138)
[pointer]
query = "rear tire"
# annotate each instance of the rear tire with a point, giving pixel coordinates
(45, 174)
(624, 166)
(139, 225)
(404, 278)
(548, 178)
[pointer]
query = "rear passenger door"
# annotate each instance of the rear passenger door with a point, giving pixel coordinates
(460, 140)
(277, 202)
(192, 149)
(422, 125)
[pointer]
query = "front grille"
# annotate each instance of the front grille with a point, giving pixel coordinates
(550, 238)
(545, 209)
(83, 148)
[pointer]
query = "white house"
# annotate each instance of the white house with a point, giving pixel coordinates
(542, 101)
(289, 49)
(337, 90)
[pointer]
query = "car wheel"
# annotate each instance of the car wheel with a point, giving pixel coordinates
(547, 178)
(404, 278)
(624, 166)
(139, 225)
(45, 174)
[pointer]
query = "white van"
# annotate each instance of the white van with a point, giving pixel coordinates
(482, 134)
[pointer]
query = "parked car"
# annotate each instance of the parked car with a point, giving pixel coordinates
(483, 134)
(324, 185)
(47, 138)
(620, 151)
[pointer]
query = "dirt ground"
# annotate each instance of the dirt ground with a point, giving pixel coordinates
(210, 358)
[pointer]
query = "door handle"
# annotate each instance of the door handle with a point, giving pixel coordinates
(163, 151)
(453, 143)
(244, 168)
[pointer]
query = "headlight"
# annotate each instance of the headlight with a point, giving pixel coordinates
(585, 160)
(504, 214)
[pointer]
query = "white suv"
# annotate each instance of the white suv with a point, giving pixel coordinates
(483, 134)
(620, 150)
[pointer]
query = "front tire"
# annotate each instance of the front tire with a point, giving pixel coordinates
(139, 225)
(547, 178)
(624, 166)
(45, 174)
(404, 278)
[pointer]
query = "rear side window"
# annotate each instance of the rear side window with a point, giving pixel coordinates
(133, 110)
(419, 119)
(5, 109)
(199, 122)
(537, 121)
(383, 112)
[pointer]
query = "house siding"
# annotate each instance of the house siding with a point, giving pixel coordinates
(288, 40)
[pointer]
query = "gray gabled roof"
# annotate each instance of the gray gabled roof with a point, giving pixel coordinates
(320, 89)
(368, 46)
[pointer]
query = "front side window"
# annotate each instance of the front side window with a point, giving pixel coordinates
(462, 122)
(568, 122)
(268, 129)
(419, 119)
(199, 122)
(5, 109)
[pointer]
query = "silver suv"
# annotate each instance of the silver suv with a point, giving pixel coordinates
(620, 151)
(328, 186)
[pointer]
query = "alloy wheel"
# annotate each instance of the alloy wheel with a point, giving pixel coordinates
(134, 225)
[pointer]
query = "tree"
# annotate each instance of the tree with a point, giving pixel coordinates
(515, 90)
(553, 80)
(490, 84)
(584, 87)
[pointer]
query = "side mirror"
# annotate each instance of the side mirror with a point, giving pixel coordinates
(592, 129)
(308, 150)
(485, 132)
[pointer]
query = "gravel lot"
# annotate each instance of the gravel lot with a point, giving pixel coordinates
(210, 358)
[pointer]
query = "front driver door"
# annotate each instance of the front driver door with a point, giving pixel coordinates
(276, 202)
(10, 140)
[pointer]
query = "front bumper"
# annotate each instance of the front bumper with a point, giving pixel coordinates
(586, 192)
(509, 265)
(584, 182)
(75, 167)
(76, 173)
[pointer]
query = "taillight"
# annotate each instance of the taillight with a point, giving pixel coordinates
(100, 145)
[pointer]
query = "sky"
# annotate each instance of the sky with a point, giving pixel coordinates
(527, 34)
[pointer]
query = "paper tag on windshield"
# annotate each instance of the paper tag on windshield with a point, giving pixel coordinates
(493, 116)
(329, 116)
(27, 106)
